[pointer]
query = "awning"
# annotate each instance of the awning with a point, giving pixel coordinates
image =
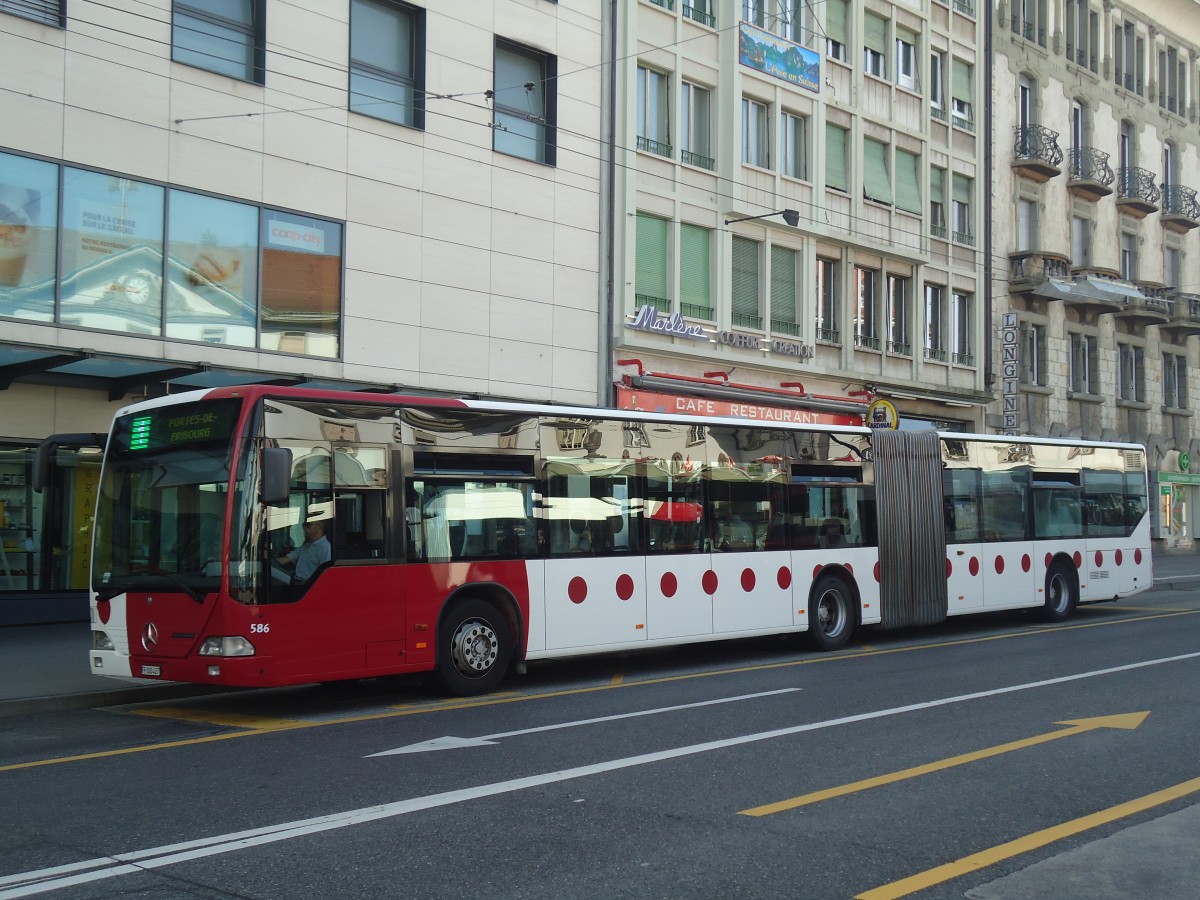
(1089, 288)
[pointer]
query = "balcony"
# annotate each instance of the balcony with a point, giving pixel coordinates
(687, 157)
(1180, 210)
(1089, 175)
(1151, 307)
(658, 148)
(1029, 269)
(1036, 153)
(1137, 194)
(1185, 315)
(1029, 30)
(699, 15)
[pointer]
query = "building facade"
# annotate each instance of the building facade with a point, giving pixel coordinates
(362, 193)
(1097, 278)
(801, 208)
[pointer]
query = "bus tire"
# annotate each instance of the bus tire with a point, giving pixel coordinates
(1062, 593)
(830, 613)
(475, 646)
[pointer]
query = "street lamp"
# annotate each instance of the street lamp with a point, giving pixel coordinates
(790, 216)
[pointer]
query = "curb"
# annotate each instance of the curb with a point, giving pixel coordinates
(92, 699)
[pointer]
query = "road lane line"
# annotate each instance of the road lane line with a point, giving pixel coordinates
(217, 717)
(38, 881)
(494, 700)
(1001, 852)
(1079, 726)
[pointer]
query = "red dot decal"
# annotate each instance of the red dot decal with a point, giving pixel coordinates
(1078, 557)
(999, 565)
(1048, 558)
(877, 571)
(974, 566)
(577, 590)
(1026, 563)
(625, 587)
(816, 572)
(1137, 556)
(1119, 557)
(747, 580)
(784, 577)
(849, 568)
(949, 567)
(669, 584)
(709, 582)
(104, 611)
(1099, 559)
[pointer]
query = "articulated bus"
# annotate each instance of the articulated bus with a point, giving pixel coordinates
(466, 537)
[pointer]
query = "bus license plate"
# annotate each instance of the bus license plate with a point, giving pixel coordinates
(152, 670)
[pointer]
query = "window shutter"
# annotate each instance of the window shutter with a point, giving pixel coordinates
(694, 243)
(875, 172)
(908, 184)
(48, 12)
(745, 277)
(937, 189)
(835, 24)
(835, 158)
(962, 189)
(875, 33)
(651, 277)
(961, 85)
(783, 285)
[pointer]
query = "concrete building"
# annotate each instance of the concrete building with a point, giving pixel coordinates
(1096, 283)
(360, 193)
(801, 207)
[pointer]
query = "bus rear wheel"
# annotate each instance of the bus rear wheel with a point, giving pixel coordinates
(1062, 593)
(830, 614)
(475, 645)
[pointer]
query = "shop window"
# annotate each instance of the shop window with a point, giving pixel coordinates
(301, 284)
(28, 237)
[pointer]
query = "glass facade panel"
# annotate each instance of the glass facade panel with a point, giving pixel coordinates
(28, 237)
(301, 284)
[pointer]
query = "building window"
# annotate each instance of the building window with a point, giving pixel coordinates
(650, 278)
(835, 29)
(386, 61)
(783, 291)
(695, 271)
(897, 316)
(1033, 354)
(836, 164)
(791, 20)
(866, 308)
(226, 38)
(1131, 372)
(961, 108)
(754, 12)
(908, 182)
(962, 324)
(1172, 266)
(653, 112)
(1026, 224)
(756, 141)
(1081, 241)
(1175, 393)
(962, 221)
(875, 45)
(1084, 364)
(48, 12)
(907, 75)
(524, 103)
(793, 137)
(745, 287)
(937, 202)
(1128, 259)
(828, 307)
(935, 322)
(877, 182)
(695, 137)
(937, 85)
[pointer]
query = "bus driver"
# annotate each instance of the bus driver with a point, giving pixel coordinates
(312, 554)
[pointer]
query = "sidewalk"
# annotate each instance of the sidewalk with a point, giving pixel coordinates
(46, 666)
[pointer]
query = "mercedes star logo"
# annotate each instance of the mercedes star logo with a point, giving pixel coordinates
(150, 637)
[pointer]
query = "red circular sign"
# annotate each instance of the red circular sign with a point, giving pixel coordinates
(999, 565)
(1078, 558)
(784, 577)
(1026, 563)
(1137, 556)
(974, 566)
(747, 580)
(1119, 557)
(709, 582)
(668, 584)
(625, 587)
(1099, 558)
(577, 590)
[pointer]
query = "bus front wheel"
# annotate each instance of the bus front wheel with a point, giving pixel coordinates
(1062, 593)
(830, 614)
(475, 646)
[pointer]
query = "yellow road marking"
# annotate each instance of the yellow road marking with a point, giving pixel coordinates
(229, 719)
(1076, 726)
(618, 677)
(985, 858)
(520, 698)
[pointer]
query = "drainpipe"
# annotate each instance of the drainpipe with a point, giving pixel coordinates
(605, 372)
(989, 372)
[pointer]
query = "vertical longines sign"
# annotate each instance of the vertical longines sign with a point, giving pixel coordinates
(1010, 357)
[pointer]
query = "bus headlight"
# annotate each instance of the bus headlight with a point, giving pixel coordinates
(101, 641)
(226, 646)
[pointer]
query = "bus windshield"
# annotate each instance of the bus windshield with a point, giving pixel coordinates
(161, 512)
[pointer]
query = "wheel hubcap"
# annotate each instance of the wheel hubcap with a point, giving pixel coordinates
(831, 615)
(475, 647)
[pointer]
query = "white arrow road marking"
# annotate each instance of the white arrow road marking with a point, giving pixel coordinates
(25, 884)
(448, 742)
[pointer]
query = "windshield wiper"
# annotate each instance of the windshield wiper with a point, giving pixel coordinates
(185, 587)
(110, 592)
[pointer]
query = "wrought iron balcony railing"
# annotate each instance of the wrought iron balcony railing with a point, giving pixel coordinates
(935, 353)
(829, 336)
(781, 326)
(868, 342)
(698, 160)
(1134, 183)
(696, 311)
(1180, 201)
(665, 4)
(742, 320)
(1038, 142)
(658, 148)
(660, 304)
(1090, 164)
(699, 15)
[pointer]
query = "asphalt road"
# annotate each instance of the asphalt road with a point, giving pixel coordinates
(995, 758)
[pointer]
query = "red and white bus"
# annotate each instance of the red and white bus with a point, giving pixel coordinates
(466, 537)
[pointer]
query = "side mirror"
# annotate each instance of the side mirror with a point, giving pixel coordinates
(276, 475)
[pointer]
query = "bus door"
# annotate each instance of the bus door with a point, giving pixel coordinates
(595, 571)
(1009, 573)
(960, 512)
